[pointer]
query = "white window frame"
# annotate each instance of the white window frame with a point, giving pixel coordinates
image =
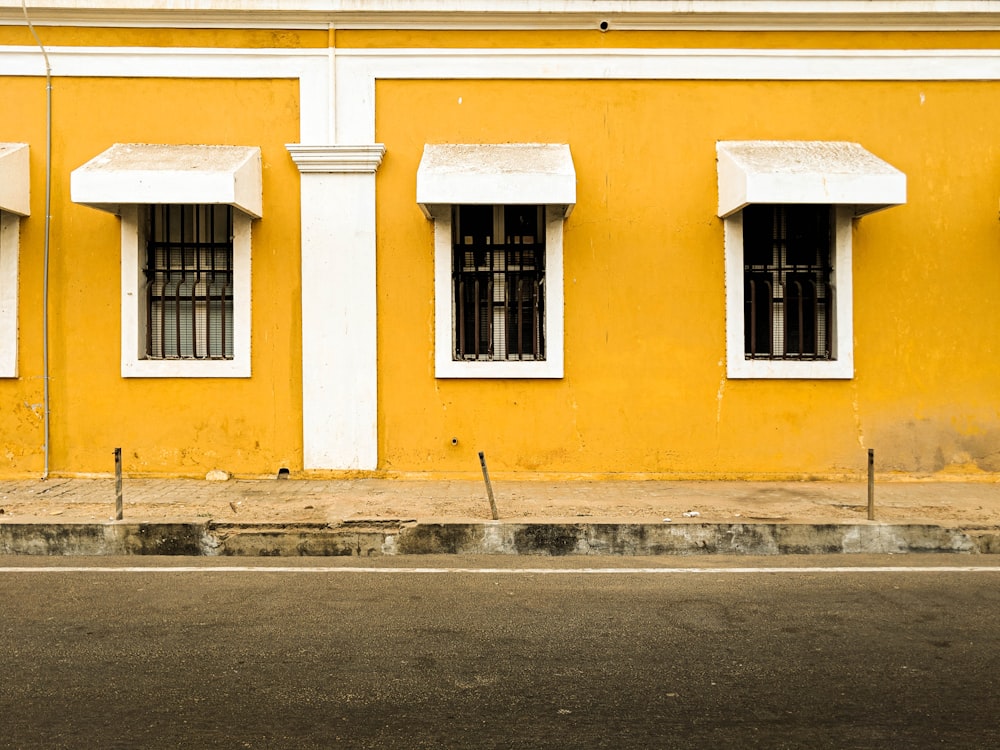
(841, 366)
(445, 365)
(133, 306)
(10, 227)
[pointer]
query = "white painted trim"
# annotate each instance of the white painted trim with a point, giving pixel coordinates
(444, 329)
(839, 368)
(9, 250)
(133, 309)
(15, 179)
(337, 159)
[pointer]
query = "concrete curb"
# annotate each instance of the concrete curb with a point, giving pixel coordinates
(111, 538)
(388, 537)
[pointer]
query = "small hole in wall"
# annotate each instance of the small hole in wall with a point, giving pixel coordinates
(283, 473)
(454, 441)
(604, 26)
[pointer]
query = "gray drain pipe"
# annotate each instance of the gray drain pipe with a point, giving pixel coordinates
(48, 233)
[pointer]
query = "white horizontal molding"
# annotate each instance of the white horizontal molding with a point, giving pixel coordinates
(15, 179)
(134, 173)
(680, 63)
(340, 158)
(185, 62)
(826, 172)
(610, 64)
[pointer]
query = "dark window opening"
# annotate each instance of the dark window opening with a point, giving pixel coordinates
(189, 282)
(788, 299)
(498, 277)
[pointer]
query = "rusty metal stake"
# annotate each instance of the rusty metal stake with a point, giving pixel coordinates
(118, 484)
(871, 484)
(489, 487)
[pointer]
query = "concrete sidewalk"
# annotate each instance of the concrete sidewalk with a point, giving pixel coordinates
(401, 516)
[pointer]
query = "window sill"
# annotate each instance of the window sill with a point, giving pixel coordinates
(840, 369)
(176, 368)
(521, 370)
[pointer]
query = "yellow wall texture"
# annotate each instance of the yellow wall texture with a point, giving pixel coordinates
(164, 426)
(645, 388)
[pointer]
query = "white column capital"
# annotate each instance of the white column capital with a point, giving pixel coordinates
(341, 158)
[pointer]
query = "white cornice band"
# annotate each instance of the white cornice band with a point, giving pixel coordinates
(331, 159)
(516, 14)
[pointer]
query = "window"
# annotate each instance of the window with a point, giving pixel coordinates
(788, 209)
(789, 315)
(498, 211)
(186, 291)
(189, 282)
(498, 297)
(186, 213)
(787, 297)
(498, 276)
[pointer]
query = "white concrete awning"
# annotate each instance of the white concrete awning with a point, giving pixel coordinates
(496, 173)
(834, 172)
(15, 179)
(130, 173)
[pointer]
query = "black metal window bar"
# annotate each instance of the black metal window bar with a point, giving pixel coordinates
(189, 282)
(788, 299)
(498, 277)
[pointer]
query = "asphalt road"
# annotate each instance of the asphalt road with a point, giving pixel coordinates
(156, 653)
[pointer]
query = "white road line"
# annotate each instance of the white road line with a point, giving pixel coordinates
(500, 571)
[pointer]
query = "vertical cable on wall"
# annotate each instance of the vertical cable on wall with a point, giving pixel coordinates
(48, 226)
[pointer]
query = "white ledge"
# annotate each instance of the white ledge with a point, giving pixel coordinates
(496, 173)
(14, 179)
(824, 172)
(364, 159)
(134, 173)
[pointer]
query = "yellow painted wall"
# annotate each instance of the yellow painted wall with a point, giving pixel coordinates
(645, 388)
(91, 36)
(168, 426)
(614, 39)
(21, 424)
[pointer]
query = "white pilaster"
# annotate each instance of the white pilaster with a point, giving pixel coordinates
(339, 360)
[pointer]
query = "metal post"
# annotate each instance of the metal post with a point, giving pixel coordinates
(118, 484)
(871, 484)
(489, 487)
